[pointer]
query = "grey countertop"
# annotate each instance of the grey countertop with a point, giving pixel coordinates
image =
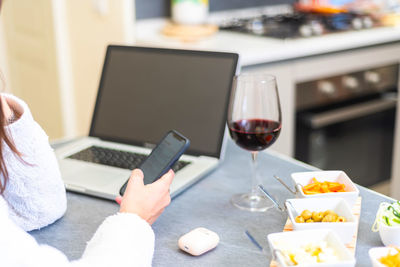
(206, 204)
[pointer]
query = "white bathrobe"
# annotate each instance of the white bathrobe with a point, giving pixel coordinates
(35, 193)
(35, 197)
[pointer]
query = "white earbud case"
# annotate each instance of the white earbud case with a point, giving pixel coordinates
(198, 241)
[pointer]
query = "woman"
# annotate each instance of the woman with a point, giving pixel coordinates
(32, 196)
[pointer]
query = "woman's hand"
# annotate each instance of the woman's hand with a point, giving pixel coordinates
(147, 201)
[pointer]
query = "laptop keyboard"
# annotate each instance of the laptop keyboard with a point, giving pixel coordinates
(117, 158)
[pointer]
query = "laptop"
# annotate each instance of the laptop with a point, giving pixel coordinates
(143, 93)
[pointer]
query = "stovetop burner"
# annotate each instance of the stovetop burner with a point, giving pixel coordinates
(299, 24)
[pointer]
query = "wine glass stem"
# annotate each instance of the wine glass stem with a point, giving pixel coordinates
(254, 189)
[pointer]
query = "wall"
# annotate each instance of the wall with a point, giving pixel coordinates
(161, 8)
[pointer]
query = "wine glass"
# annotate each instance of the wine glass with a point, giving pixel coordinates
(254, 122)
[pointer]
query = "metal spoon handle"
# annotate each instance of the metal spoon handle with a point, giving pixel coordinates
(270, 197)
(285, 185)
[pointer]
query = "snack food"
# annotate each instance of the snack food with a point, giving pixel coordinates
(316, 187)
(387, 223)
(309, 253)
(391, 260)
(388, 214)
(322, 216)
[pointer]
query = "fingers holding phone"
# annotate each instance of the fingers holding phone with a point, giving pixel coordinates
(147, 201)
(162, 157)
(146, 193)
(166, 180)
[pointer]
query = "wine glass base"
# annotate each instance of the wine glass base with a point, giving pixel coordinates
(251, 202)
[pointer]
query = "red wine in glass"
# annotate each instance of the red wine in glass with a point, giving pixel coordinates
(254, 122)
(254, 134)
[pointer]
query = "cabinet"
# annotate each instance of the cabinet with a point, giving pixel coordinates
(31, 66)
(284, 77)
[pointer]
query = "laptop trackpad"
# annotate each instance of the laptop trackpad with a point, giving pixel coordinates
(93, 176)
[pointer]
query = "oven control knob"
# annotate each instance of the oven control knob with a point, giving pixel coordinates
(305, 30)
(350, 82)
(317, 28)
(368, 22)
(357, 23)
(372, 77)
(326, 88)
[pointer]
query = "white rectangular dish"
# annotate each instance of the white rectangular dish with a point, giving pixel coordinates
(345, 230)
(293, 243)
(302, 179)
(378, 252)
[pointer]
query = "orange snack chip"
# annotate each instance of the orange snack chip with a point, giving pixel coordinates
(391, 260)
(316, 187)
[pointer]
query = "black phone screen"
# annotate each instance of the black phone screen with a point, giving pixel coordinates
(162, 157)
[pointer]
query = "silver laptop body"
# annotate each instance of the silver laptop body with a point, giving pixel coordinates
(143, 93)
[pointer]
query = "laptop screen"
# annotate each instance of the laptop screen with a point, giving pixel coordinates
(145, 92)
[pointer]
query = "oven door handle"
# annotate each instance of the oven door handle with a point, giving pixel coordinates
(347, 113)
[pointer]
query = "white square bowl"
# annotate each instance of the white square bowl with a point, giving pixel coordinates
(277, 243)
(378, 252)
(302, 179)
(390, 235)
(345, 230)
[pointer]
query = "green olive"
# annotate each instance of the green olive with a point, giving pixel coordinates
(306, 214)
(317, 216)
(329, 218)
(328, 212)
(299, 219)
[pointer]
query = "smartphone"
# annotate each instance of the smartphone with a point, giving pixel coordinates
(162, 157)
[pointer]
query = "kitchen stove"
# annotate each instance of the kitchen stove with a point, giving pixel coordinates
(299, 24)
(346, 122)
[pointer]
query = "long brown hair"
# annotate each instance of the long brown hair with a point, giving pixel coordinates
(4, 140)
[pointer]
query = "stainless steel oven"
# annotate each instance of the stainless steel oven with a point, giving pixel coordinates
(346, 122)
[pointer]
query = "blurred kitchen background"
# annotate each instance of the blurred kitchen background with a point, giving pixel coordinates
(337, 65)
